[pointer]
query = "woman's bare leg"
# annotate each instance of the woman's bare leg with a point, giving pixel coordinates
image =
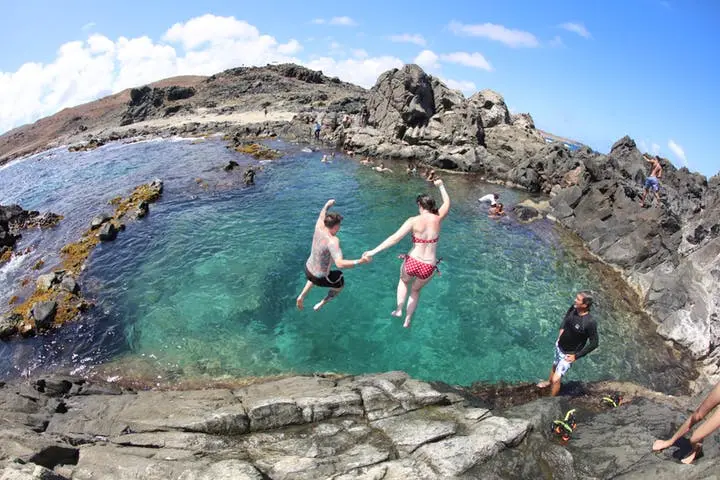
(402, 291)
(710, 402)
(414, 298)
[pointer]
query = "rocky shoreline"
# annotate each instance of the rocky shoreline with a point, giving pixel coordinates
(669, 254)
(366, 427)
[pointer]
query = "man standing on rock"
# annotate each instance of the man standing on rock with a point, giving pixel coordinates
(326, 248)
(578, 337)
(653, 181)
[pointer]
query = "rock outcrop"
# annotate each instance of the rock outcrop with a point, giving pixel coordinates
(363, 427)
(13, 219)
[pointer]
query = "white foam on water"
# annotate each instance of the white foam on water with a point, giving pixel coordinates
(8, 269)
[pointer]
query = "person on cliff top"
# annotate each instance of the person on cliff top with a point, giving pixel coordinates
(578, 336)
(653, 181)
(491, 198)
(420, 263)
(325, 250)
(711, 401)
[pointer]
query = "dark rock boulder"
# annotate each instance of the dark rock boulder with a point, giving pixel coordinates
(98, 220)
(142, 210)
(144, 102)
(492, 108)
(9, 324)
(522, 120)
(525, 213)
(231, 165)
(69, 284)
(628, 160)
(179, 93)
(108, 232)
(401, 98)
(43, 313)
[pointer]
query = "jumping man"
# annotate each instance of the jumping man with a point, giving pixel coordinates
(325, 249)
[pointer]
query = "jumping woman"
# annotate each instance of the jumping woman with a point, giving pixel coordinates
(421, 261)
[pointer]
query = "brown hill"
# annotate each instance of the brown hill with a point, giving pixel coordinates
(57, 128)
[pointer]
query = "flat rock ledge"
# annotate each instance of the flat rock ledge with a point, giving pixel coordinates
(383, 426)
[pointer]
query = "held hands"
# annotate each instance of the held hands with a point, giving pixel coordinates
(368, 255)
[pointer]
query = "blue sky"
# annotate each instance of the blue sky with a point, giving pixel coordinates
(589, 70)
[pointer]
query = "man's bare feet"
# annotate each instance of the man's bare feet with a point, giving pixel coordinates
(397, 313)
(299, 303)
(695, 454)
(543, 384)
(660, 445)
(319, 305)
(407, 323)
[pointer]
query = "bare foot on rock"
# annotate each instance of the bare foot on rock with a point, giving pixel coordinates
(543, 384)
(696, 453)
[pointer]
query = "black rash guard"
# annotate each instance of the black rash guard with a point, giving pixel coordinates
(577, 330)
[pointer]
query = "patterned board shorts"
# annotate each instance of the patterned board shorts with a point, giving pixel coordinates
(561, 365)
(652, 183)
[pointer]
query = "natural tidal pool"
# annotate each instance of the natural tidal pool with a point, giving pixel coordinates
(205, 286)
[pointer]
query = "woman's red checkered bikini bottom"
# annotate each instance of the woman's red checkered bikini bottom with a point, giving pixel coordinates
(415, 268)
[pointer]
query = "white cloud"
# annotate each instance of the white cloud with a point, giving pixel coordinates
(475, 60)
(84, 71)
(428, 60)
(210, 29)
(467, 87)
(655, 149)
(360, 53)
(290, 48)
(678, 151)
(88, 26)
(556, 42)
(578, 28)
(499, 33)
(342, 21)
(415, 38)
(363, 72)
(338, 21)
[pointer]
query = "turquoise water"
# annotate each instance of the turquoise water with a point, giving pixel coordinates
(205, 286)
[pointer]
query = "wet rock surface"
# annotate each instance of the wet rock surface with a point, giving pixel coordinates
(370, 426)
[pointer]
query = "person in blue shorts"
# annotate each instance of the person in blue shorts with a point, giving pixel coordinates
(653, 181)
